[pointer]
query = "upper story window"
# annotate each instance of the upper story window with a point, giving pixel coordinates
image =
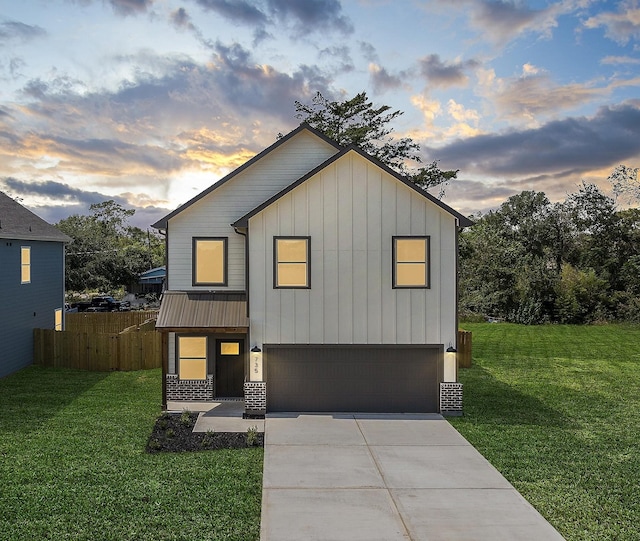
(25, 264)
(291, 261)
(411, 262)
(210, 261)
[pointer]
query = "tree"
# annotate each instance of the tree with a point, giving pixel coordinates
(106, 252)
(625, 182)
(488, 258)
(531, 261)
(357, 122)
(598, 237)
(508, 260)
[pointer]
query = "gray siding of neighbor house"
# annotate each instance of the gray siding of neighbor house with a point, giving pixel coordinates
(27, 306)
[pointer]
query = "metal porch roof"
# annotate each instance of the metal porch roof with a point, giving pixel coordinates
(202, 310)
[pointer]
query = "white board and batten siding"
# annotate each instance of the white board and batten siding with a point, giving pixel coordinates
(351, 210)
(212, 215)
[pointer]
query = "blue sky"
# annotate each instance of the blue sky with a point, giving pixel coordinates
(148, 102)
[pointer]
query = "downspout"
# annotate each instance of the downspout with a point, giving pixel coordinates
(246, 262)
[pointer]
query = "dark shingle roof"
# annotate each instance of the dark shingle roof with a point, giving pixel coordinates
(18, 222)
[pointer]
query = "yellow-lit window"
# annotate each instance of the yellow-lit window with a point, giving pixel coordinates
(57, 318)
(291, 262)
(25, 264)
(230, 348)
(210, 261)
(410, 262)
(192, 357)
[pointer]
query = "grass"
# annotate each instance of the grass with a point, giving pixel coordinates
(557, 410)
(73, 465)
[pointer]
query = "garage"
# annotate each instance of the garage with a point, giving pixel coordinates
(353, 378)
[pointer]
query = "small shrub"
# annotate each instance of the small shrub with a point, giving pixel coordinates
(155, 444)
(170, 433)
(252, 436)
(185, 418)
(208, 438)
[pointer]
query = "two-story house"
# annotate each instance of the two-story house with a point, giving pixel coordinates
(31, 281)
(312, 278)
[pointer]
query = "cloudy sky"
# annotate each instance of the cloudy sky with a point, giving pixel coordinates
(148, 102)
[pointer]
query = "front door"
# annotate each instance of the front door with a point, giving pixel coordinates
(229, 376)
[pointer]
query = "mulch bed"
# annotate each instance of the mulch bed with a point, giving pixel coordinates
(173, 433)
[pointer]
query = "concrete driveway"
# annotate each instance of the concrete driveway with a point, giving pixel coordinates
(385, 477)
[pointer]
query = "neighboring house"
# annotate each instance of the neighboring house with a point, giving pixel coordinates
(312, 278)
(31, 282)
(150, 281)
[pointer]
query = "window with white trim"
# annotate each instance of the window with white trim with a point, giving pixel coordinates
(25, 264)
(57, 319)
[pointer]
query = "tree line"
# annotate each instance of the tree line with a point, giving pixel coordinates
(532, 261)
(107, 253)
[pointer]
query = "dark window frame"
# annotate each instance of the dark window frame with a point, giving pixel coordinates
(225, 265)
(276, 262)
(178, 357)
(427, 262)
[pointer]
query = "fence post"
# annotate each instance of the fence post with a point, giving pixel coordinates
(464, 348)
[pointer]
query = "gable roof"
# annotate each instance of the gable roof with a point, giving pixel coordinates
(462, 220)
(162, 223)
(18, 222)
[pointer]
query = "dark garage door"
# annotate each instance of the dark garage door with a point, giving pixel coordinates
(377, 379)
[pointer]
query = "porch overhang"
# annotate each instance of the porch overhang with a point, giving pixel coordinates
(211, 312)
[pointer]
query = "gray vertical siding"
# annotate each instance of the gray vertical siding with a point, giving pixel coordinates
(351, 210)
(27, 306)
(211, 216)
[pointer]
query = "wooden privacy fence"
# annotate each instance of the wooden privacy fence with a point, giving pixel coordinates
(97, 351)
(106, 322)
(464, 349)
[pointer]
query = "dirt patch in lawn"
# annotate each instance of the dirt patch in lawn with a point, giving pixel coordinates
(173, 432)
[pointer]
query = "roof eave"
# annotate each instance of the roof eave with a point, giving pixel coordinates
(164, 222)
(463, 221)
(35, 237)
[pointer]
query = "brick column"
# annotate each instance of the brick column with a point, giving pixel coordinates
(255, 398)
(451, 398)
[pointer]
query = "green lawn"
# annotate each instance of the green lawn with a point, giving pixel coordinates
(557, 410)
(73, 466)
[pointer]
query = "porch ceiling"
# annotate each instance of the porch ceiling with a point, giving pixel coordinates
(189, 310)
